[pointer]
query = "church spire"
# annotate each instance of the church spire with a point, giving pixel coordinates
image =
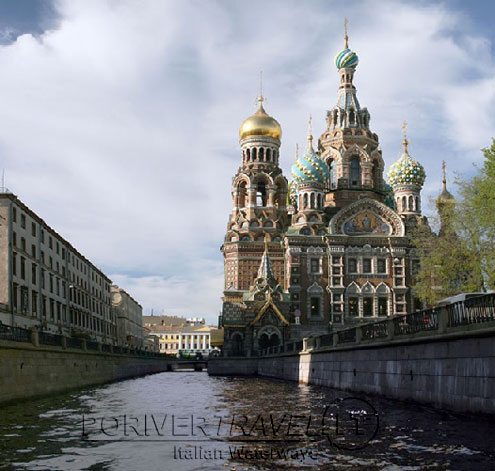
(265, 269)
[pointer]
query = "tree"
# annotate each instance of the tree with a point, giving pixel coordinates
(461, 258)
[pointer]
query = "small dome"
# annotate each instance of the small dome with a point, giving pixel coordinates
(445, 197)
(346, 59)
(310, 167)
(406, 171)
(260, 124)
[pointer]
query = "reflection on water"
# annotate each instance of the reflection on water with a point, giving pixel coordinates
(190, 421)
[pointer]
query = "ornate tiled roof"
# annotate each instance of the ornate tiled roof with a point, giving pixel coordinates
(406, 171)
(310, 167)
(346, 59)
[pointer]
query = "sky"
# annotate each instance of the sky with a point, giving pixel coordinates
(119, 119)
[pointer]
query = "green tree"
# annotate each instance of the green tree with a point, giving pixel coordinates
(461, 258)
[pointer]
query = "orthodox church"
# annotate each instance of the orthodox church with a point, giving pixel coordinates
(330, 248)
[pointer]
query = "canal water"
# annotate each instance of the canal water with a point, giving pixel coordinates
(190, 421)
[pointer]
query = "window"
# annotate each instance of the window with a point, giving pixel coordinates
(381, 265)
(14, 239)
(14, 296)
(24, 299)
(23, 268)
(14, 214)
(382, 306)
(33, 250)
(367, 307)
(33, 273)
(354, 307)
(336, 260)
(355, 171)
(43, 306)
(33, 229)
(42, 236)
(23, 244)
(315, 265)
(315, 307)
(23, 221)
(366, 265)
(34, 302)
(50, 242)
(352, 265)
(14, 263)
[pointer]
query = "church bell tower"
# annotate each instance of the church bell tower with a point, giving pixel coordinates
(259, 212)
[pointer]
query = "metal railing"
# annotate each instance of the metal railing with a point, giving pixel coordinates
(472, 311)
(46, 338)
(17, 334)
(346, 336)
(377, 330)
(476, 310)
(420, 321)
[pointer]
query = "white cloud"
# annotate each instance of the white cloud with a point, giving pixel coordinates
(120, 127)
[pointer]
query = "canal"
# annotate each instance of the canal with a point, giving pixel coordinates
(190, 421)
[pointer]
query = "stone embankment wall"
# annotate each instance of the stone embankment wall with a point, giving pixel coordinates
(456, 374)
(28, 371)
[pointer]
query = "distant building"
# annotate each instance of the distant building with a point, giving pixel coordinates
(48, 284)
(178, 335)
(129, 318)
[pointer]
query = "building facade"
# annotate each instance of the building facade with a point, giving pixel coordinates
(331, 247)
(129, 317)
(179, 336)
(45, 283)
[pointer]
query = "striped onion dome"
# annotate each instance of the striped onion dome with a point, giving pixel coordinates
(406, 171)
(310, 167)
(346, 59)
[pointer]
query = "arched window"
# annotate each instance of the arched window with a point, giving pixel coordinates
(332, 167)
(411, 203)
(305, 201)
(404, 203)
(261, 154)
(355, 171)
(261, 194)
(268, 155)
(241, 195)
(417, 204)
(351, 117)
(312, 200)
(253, 154)
(248, 155)
(398, 204)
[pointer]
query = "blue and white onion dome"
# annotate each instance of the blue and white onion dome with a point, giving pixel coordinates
(346, 59)
(406, 171)
(310, 167)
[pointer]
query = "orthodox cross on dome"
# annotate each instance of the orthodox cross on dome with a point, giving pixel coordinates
(444, 174)
(310, 131)
(346, 38)
(404, 132)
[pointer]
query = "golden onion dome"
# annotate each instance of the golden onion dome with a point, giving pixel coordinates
(260, 124)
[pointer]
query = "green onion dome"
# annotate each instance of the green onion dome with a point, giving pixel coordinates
(406, 171)
(346, 59)
(310, 167)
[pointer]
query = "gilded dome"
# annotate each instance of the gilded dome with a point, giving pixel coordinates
(260, 124)
(310, 167)
(406, 171)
